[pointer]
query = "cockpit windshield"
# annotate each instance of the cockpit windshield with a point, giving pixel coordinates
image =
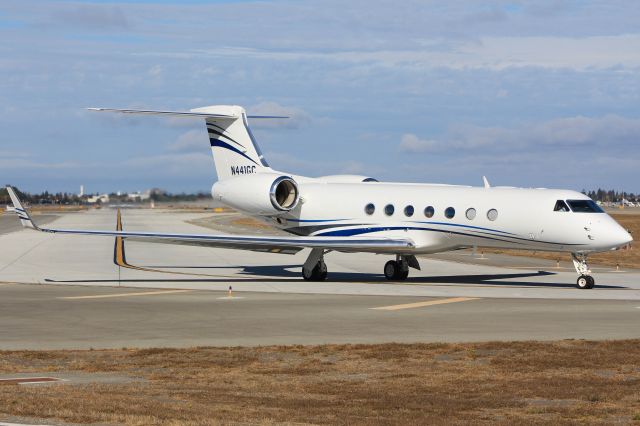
(584, 206)
(561, 206)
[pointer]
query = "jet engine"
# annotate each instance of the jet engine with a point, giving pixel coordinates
(262, 193)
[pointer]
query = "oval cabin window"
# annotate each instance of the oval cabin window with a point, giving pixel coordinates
(389, 209)
(471, 213)
(429, 211)
(450, 212)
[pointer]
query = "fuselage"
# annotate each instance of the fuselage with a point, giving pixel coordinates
(443, 217)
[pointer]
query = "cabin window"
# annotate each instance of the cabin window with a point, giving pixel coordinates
(389, 209)
(561, 206)
(450, 212)
(369, 209)
(429, 211)
(492, 214)
(471, 213)
(584, 206)
(408, 211)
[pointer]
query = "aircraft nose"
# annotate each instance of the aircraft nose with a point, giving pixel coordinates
(621, 237)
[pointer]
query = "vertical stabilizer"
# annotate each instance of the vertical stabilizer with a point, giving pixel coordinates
(235, 150)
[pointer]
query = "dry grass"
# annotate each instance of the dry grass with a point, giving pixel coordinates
(564, 382)
(250, 222)
(627, 258)
(56, 208)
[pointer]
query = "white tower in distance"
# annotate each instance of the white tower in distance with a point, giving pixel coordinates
(81, 191)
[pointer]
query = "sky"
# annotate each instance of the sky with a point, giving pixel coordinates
(528, 93)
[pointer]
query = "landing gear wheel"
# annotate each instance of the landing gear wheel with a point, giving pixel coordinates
(391, 270)
(585, 282)
(318, 273)
(592, 281)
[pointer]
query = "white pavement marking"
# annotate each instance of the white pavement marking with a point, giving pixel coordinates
(145, 293)
(230, 297)
(422, 304)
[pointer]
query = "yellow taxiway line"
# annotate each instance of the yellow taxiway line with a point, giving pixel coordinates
(423, 304)
(144, 293)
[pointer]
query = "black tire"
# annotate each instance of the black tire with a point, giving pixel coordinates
(583, 282)
(592, 281)
(391, 270)
(318, 273)
(307, 275)
(402, 275)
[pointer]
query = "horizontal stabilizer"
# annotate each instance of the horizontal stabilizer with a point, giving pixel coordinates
(220, 112)
(168, 113)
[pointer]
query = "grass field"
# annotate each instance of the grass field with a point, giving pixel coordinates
(564, 382)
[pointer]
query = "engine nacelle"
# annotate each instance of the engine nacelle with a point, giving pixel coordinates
(346, 179)
(263, 193)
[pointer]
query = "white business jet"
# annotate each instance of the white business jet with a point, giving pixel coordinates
(350, 213)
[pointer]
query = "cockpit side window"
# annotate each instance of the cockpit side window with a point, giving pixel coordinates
(561, 206)
(584, 206)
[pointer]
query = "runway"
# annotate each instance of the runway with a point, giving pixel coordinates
(176, 296)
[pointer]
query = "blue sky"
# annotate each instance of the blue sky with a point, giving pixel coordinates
(529, 93)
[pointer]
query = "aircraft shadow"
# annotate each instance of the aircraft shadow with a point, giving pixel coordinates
(280, 273)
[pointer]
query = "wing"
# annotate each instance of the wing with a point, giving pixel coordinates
(247, 242)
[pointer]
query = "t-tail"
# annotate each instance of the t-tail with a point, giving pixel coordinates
(235, 150)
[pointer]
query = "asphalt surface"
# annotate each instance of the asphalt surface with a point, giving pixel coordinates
(60, 291)
(9, 222)
(56, 317)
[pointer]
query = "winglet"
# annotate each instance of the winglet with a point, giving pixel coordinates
(25, 217)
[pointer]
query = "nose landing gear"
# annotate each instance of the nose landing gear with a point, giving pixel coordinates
(585, 280)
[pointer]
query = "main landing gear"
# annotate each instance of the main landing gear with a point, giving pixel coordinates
(314, 269)
(398, 270)
(585, 280)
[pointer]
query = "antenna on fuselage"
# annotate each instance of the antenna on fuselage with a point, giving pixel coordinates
(486, 182)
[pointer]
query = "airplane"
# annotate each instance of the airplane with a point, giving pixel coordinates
(353, 213)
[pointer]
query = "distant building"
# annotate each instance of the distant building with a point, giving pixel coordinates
(139, 196)
(103, 198)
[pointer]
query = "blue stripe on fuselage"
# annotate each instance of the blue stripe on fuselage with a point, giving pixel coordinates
(314, 220)
(360, 231)
(465, 226)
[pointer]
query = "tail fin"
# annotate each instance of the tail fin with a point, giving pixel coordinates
(25, 217)
(235, 150)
